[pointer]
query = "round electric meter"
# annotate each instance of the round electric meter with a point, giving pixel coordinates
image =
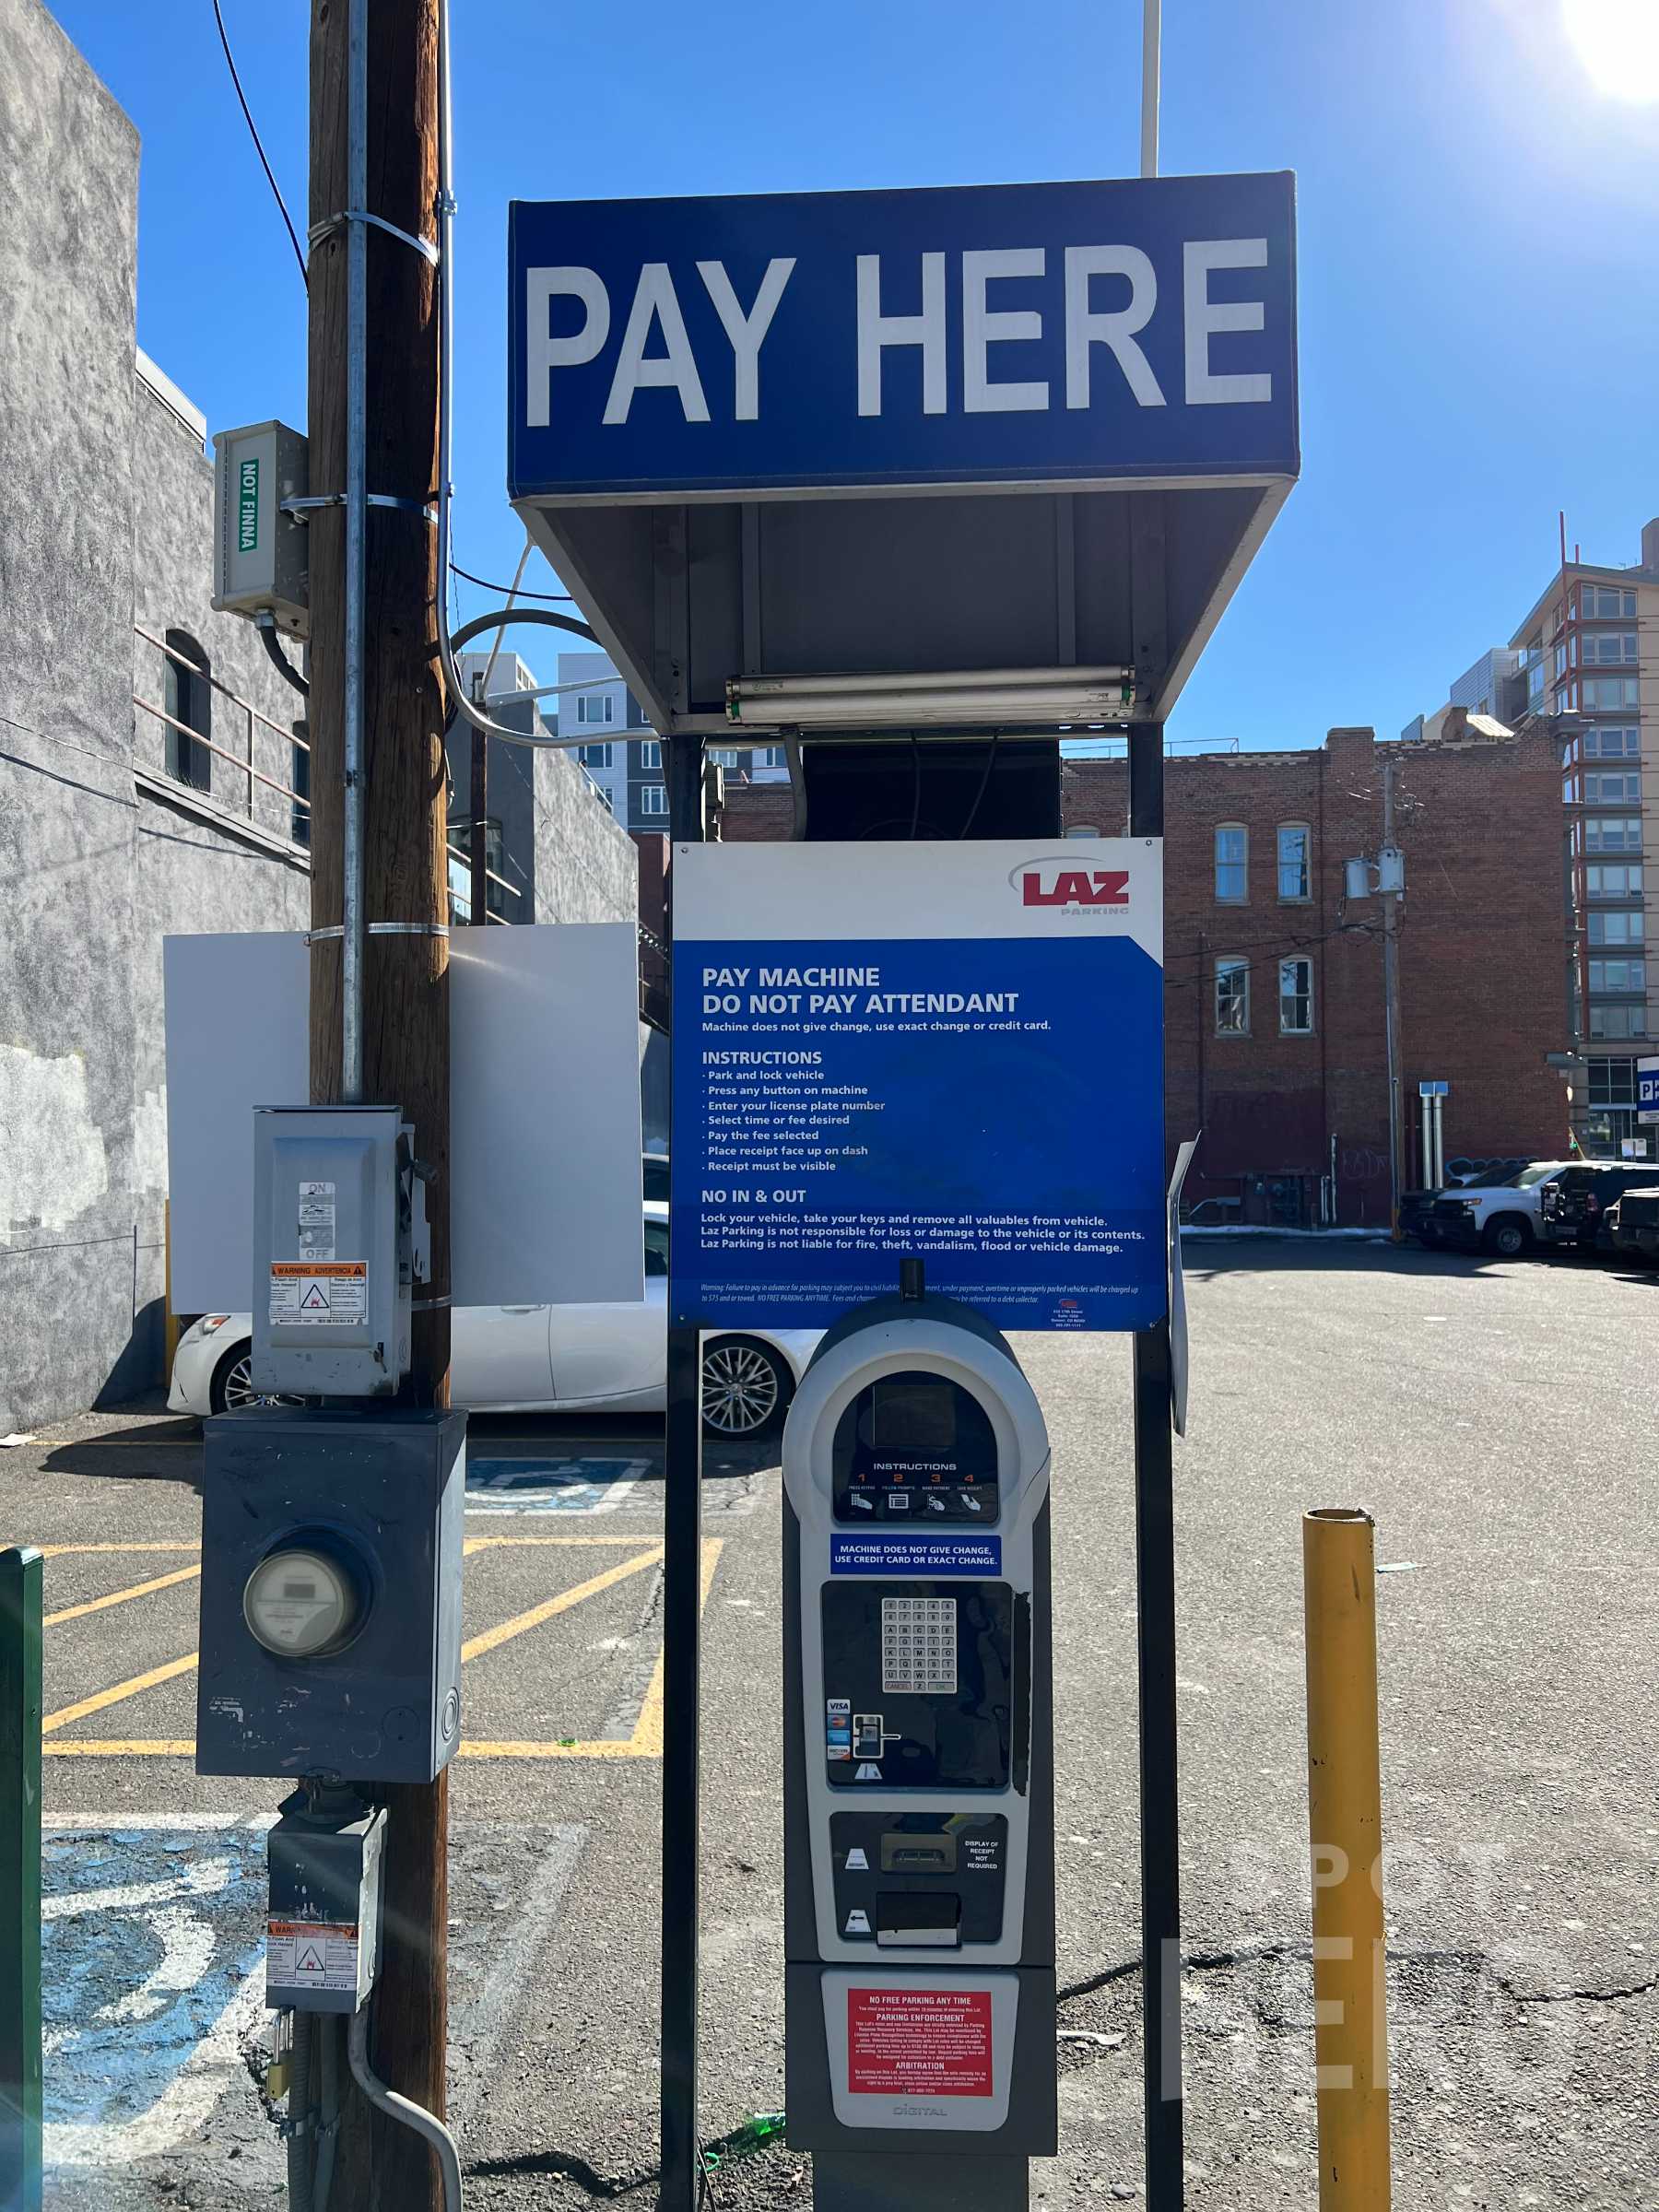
(298, 1603)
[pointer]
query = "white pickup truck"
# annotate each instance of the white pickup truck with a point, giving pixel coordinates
(1504, 1219)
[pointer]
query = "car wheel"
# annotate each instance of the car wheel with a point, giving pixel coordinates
(232, 1384)
(1508, 1239)
(746, 1386)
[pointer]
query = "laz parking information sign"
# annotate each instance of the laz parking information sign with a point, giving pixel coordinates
(945, 1051)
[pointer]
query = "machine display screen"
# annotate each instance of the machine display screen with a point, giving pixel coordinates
(915, 1447)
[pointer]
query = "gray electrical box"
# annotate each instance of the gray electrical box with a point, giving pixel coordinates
(335, 1206)
(261, 557)
(323, 1944)
(331, 1593)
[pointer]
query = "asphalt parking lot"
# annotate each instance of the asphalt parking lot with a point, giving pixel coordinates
(1499, 1419)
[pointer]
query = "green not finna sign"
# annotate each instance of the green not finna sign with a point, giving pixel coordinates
(247, 512)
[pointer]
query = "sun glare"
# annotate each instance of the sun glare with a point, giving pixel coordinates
(1617, 42)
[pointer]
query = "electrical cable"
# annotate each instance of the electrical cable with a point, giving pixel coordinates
(405, 2111)
(265, 623)
(984, 784)
(484, 584)
(258, 148)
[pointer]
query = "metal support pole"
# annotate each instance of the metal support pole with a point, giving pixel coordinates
(1155, 1603)
(1440, 1142)
(20, 1880)
(1426, 1141)
(1391, 997)
(1345, 1824)
(682, 1652)
(1151, 83)
(353, 932)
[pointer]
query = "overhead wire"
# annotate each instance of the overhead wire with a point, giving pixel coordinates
(259, 149)
(516, 591)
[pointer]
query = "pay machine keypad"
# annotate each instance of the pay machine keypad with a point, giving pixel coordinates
(918, 1449)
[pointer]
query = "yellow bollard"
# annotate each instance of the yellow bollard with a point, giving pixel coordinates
(1344, 1826)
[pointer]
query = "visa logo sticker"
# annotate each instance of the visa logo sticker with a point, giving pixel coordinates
(929, 1552)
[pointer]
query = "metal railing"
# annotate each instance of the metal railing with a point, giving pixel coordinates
(247, 772)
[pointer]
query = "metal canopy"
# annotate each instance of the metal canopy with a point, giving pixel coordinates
(1023, 427)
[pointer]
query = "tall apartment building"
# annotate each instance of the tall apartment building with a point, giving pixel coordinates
(1584, 668)
(624, 759)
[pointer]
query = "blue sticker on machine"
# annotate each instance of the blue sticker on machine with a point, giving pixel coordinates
(878, 1553)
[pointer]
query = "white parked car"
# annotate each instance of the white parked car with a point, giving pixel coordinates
(603, 1359)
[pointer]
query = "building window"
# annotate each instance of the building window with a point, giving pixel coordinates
(1608, 648)
(1296, 999)
(1606, 602)
(772, 756)
(602, 792)
(594, 755)
(1617, 975)
(1232, 862)
(653, 799)
(1294, 871)
(1606, 694)
(1604, 790)
(188, 700)
(1618, 1022)
(1606, 741)
(1613, 1082)
(1232, 998)
(1601, 881)
(1616, 928)
(651, 753)
(299, 823)
(1082, 829)
(595, 706)
(1613, 833)
(726, 756)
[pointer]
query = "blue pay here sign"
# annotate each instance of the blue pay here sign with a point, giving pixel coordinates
(1133, 331)
(946, 1051)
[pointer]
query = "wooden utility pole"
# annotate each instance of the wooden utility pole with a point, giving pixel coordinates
(406, 1025)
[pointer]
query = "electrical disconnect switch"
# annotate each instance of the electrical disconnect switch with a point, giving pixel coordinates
(340, 1230)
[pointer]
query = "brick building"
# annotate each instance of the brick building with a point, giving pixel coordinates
(1275, 1026)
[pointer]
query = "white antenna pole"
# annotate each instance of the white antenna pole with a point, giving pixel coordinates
(1151, 76)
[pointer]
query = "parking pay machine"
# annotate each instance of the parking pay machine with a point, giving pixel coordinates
(919, 1858)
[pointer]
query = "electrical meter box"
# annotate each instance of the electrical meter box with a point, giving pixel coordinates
(336, 1200)
(918, 1750)
(331, 1593)
(261, 555)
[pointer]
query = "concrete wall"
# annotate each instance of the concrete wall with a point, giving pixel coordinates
(68, 258)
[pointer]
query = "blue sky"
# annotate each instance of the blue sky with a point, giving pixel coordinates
(1479, 314)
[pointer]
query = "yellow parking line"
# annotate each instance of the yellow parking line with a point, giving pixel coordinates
(120, 1597)
(130, 1689)
(64, 1551)
(492, 1639)
(646, 1741)
(143, 1747)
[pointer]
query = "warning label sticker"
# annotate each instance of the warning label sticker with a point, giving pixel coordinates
(303, 1954)
(316, 1293)
(914, 2042)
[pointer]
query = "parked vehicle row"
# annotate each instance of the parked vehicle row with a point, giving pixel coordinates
(1585, 1204)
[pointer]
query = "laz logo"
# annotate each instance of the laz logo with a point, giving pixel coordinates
(1061, 883)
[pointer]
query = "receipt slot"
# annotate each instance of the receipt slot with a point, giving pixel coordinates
(918, 1746)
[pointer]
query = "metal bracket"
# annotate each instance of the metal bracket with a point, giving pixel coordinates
(423, 246)
(299, 508)
(380, 929)
(429, 1305)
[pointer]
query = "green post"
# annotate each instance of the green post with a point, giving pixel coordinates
(19, 1880)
